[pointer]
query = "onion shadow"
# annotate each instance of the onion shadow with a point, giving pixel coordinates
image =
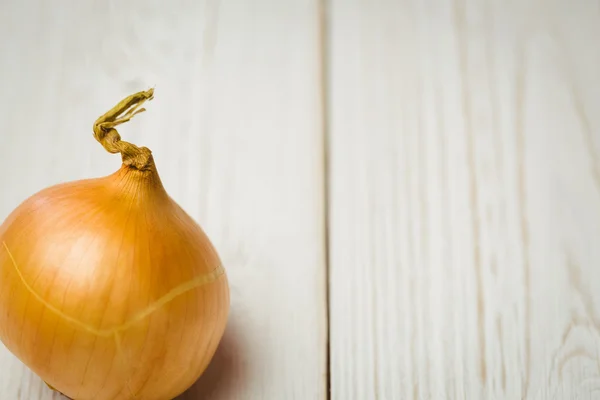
(223, 374)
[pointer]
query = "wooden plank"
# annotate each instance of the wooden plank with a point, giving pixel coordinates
(237, 135)
(464, 199)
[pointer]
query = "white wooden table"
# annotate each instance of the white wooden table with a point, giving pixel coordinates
(405, 193)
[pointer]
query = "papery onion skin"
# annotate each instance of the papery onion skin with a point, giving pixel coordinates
(109, 290)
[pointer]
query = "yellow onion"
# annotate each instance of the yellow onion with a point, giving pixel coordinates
(108, 289)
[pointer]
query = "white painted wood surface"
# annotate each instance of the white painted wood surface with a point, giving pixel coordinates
(236, 129)
(465, 199)
(463, 180)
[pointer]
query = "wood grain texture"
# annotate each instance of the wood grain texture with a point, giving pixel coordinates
(464, 199)
(236, 130)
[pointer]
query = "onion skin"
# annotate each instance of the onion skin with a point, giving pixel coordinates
(109, 290)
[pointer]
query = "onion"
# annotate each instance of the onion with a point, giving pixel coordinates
(108, 289)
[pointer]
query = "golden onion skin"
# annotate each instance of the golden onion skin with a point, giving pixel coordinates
(109, 290)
